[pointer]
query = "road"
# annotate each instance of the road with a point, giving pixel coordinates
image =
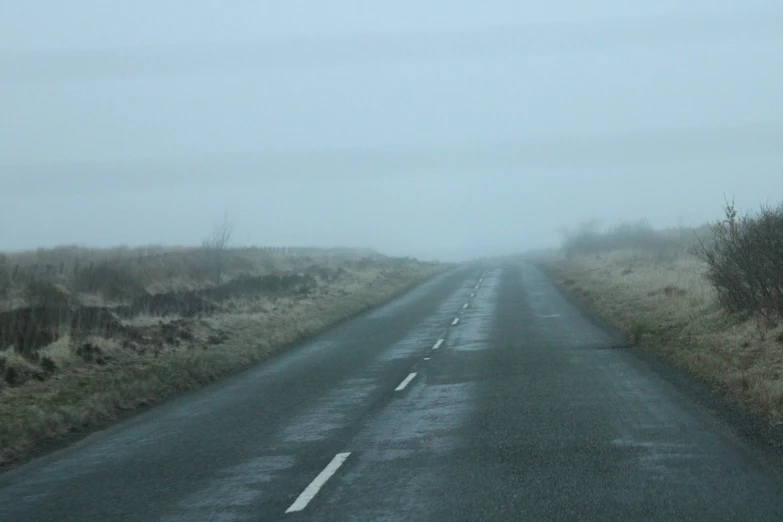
(522, 409)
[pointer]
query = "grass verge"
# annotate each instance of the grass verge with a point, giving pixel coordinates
(82, 396)
(664, 304)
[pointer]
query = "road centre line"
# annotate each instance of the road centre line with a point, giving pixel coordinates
(312, 490)
(404, 383)
(437, 344)
(464, 306)
(454, 323)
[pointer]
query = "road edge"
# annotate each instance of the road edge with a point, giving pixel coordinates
(749, 427)
(52, 446)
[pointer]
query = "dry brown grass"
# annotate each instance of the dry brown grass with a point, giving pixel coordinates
(666, 305)
(103, 276)
(118, 376)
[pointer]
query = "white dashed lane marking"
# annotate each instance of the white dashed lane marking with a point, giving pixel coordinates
(404, 383)
(315, 486)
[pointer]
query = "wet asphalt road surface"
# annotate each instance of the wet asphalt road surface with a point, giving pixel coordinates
(481, 395)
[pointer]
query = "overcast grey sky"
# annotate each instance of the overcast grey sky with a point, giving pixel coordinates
(432, 129)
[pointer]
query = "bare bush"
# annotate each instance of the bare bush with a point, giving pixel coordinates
(745, 260)
(215, 249)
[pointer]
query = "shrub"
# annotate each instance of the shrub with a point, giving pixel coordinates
(112, 280)
(215, 250)
(589, 238)
(745, 260)
(637, 332)
(44, 292)
(48, 365)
